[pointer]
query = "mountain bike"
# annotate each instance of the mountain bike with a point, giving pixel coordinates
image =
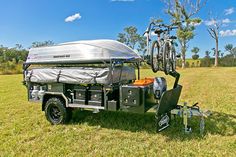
(169, 53)
(162, 54)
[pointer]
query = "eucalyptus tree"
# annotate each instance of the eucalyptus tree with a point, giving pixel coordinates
(234, 52)
(231, 49)
(195, 51)
(42, 44)
(207, 54)
(213, 30)
(183, 13)
(131, 38)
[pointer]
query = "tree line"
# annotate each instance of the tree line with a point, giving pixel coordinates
(226, 57)
(11, 59)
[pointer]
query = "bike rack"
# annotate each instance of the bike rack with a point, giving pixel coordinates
(168, 104)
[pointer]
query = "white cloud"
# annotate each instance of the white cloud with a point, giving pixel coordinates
(210, 22)
(195, 24)
(229, 11)
(226, 20)
(151, 34)
(73, 17)
(224, 25)
(228, 33)
(122, 0)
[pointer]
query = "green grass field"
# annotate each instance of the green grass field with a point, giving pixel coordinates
(24, 130)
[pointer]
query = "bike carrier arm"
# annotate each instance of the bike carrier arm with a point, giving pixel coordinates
(176, 75)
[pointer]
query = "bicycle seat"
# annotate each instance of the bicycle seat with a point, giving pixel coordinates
(158, 31)
(173, 37)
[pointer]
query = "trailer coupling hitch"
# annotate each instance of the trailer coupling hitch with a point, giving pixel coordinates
(187, 112)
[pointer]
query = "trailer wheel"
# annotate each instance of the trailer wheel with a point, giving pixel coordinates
(56, 112)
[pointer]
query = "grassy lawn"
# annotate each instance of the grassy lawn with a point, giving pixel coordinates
(24, 130)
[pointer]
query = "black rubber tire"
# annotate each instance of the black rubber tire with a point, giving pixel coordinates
(173, 59)
(166, 59)
(154, 57)
(56, 112)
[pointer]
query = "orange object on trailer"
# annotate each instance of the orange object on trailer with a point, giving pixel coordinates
(144, 82)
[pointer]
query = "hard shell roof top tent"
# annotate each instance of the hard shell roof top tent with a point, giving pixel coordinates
(87, 51)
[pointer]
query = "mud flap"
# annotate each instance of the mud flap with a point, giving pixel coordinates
(163, 122)
(168, 101)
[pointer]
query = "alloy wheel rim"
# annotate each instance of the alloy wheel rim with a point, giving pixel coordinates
(55, 113)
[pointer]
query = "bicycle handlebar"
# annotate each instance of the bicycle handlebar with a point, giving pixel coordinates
(169, 27)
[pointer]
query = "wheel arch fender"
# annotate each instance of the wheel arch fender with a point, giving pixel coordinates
(49, 95)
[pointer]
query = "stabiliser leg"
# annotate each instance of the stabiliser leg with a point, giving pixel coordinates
(186, 114)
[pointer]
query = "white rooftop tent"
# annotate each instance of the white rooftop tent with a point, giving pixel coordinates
(91, 51)
(87, 51)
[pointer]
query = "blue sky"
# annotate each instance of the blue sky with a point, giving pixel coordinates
(26, 21)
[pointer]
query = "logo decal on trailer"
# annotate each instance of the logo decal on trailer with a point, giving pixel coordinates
(164, 122)
(61, 56)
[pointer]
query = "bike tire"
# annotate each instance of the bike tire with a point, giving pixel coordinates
(173, 59)
(166, 58)
(154, 57)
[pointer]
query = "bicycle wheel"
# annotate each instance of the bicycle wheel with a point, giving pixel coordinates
(166, 58)
(173, 59)
(155, 56)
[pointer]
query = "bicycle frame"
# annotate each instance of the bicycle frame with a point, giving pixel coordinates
(165, 37)
(148, 32)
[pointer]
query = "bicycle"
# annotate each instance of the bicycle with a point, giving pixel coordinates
(163, 54)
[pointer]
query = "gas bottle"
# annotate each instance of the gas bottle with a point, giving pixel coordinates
(41, 93)
(159, 87)
(34, 93)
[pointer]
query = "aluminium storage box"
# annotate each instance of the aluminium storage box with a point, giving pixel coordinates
(81, 95)
(137, 99)
(95, 96)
